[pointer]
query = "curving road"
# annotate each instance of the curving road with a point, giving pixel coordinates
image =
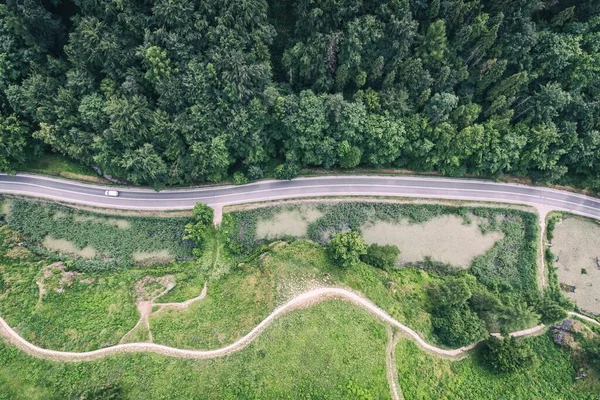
(216, 196)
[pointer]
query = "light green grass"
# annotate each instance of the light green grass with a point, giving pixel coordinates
(92, 311)
(312, 353)
(237, 302)
(423, 376)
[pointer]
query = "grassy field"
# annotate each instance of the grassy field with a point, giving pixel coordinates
(96, 242)
(238, 301)
(424, 376)
(331, 350)
(71, 310)
(298, 357)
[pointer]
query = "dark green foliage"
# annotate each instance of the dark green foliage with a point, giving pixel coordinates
(203, 214)
(164, 94)
(287, 171)
(552, 306)
(507, 355)
(114, 246)
(196, 231)
(511, 263)
(457, 326)
(454, 323)
(108, 392)
(346, 248)
(381, 256)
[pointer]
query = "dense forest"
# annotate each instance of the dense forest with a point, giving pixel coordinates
(166, 92)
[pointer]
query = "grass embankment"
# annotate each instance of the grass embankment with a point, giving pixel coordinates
(95, 242)
(423, 376)
(63, 167)
(298, 357)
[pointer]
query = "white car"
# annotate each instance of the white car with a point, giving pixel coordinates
(111, 193)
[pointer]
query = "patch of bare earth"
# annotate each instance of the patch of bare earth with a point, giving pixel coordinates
(55, 277)
(63, 246)
(446, 239)
(119, 223)
(6, 207)
(148, 290)
(288, 223)
(576, 245)
(152, 257)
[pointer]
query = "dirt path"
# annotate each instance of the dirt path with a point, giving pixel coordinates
(303, 300)
(391, 368)
(583, 317)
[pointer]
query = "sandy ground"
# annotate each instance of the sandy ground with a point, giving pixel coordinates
(577, 247)
(288, 223)
(447, 239)
(119, 223)
(66, 246)
(162, 255)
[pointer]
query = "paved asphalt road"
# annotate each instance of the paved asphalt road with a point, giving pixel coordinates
(441, 188)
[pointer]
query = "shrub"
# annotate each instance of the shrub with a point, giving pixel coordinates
(507, 355)
(287, 171)
(346, 248)
(239, 178)
(381, 256)
(203, 214)
(454, 323)
(196, 231)
(255, 172)
(457, 326)
(550, 309)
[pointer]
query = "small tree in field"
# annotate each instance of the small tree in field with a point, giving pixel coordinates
(381, 256)
(507, 355)
(196, 230)
(346, 248)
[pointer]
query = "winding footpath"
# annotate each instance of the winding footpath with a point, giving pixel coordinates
(303, 300)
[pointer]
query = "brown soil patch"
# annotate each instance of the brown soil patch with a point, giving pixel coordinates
(151, 287)
(446, 239)
(5, 207)
(18, 252)
(287, 223)
(152, 257)
(63, 246)
(119, 223)
(577, 247)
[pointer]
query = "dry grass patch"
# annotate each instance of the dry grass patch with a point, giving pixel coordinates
(576, 244)
(5, 207)
(287, 223)
(446, 239)
(119, 223)
(67, 247)
(152, 257)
